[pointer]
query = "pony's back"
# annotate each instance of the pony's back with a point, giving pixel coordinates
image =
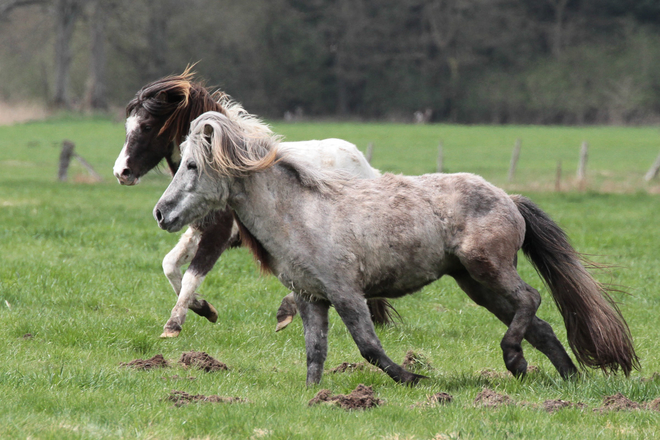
(331, 154)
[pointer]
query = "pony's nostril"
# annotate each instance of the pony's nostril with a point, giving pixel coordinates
(159, 216)
(126, 172)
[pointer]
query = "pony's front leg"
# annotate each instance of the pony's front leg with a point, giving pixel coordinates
(183, 253)
(315, 324)
(213, 241)
(353, 310)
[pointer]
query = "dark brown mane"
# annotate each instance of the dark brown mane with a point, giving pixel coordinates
(259, 253)
(179, 99)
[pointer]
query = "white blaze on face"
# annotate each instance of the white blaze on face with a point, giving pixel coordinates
(132, 124)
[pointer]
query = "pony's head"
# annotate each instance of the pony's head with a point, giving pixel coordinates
(217, 151)
(157, 119)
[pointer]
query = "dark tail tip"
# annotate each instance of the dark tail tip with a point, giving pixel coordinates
(382, 311)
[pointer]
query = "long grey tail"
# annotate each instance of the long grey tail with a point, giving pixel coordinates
(597, 332)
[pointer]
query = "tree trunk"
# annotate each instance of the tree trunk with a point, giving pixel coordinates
(96, 87)
(66, 14)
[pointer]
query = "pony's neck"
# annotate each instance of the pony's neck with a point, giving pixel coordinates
(174, 158)
(199, 101)
(260, 202)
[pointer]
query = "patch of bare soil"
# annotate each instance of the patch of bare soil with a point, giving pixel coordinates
(201, 360)
(157, 361)
(555, 405)
(180, 398)
(362, 397)
(27, 336)
(416, 361)
(491, 399)
(21, 112)
(617, 402)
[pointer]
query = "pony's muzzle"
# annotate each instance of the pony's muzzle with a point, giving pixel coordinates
(164, 222)
(126, 177)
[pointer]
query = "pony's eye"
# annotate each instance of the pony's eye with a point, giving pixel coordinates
(146, 128)
(192, 166)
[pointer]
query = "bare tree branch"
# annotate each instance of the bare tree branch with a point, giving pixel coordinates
(6, 6)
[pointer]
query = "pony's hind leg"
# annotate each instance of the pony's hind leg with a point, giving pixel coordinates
(539, 333)
(503, 280)
(213, 241)
(353, 310)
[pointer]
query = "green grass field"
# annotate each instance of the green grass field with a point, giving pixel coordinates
(80, 272)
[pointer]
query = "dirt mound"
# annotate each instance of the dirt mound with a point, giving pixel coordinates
(555, 405)
(654, 405)
(180, 398)
(416, 361)
(201, 360)
(157, 361)
(491, 399)
(362, 397)
(617, 402)
(441, 398)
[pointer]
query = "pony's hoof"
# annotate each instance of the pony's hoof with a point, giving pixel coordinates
(283, 323)
(212, 314)
(412, 379)
(169, 334)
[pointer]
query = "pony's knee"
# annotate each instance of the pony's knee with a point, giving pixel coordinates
(170, 266)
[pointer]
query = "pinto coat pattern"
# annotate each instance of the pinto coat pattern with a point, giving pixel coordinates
(158, 119)
(338, 241)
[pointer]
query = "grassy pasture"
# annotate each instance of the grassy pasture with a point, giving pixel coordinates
(80, 272)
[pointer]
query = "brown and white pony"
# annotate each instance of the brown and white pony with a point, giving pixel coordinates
(338, 242)
(158, 119)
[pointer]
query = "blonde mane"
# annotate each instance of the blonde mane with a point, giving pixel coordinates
(233, 145)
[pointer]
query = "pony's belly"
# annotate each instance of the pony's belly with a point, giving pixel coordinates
(307, 286)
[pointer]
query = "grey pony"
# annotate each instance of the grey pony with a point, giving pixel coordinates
(338, 241)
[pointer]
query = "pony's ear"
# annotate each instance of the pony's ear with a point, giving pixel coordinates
(208, 132)
(161, 96)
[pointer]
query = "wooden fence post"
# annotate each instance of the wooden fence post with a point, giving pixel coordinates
(582, 166)
(514, 160)
(65, 159)
(653, 171)
(67, 153)
(440, 161)
(370, 152)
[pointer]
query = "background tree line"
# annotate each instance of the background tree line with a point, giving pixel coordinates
(495, 61)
